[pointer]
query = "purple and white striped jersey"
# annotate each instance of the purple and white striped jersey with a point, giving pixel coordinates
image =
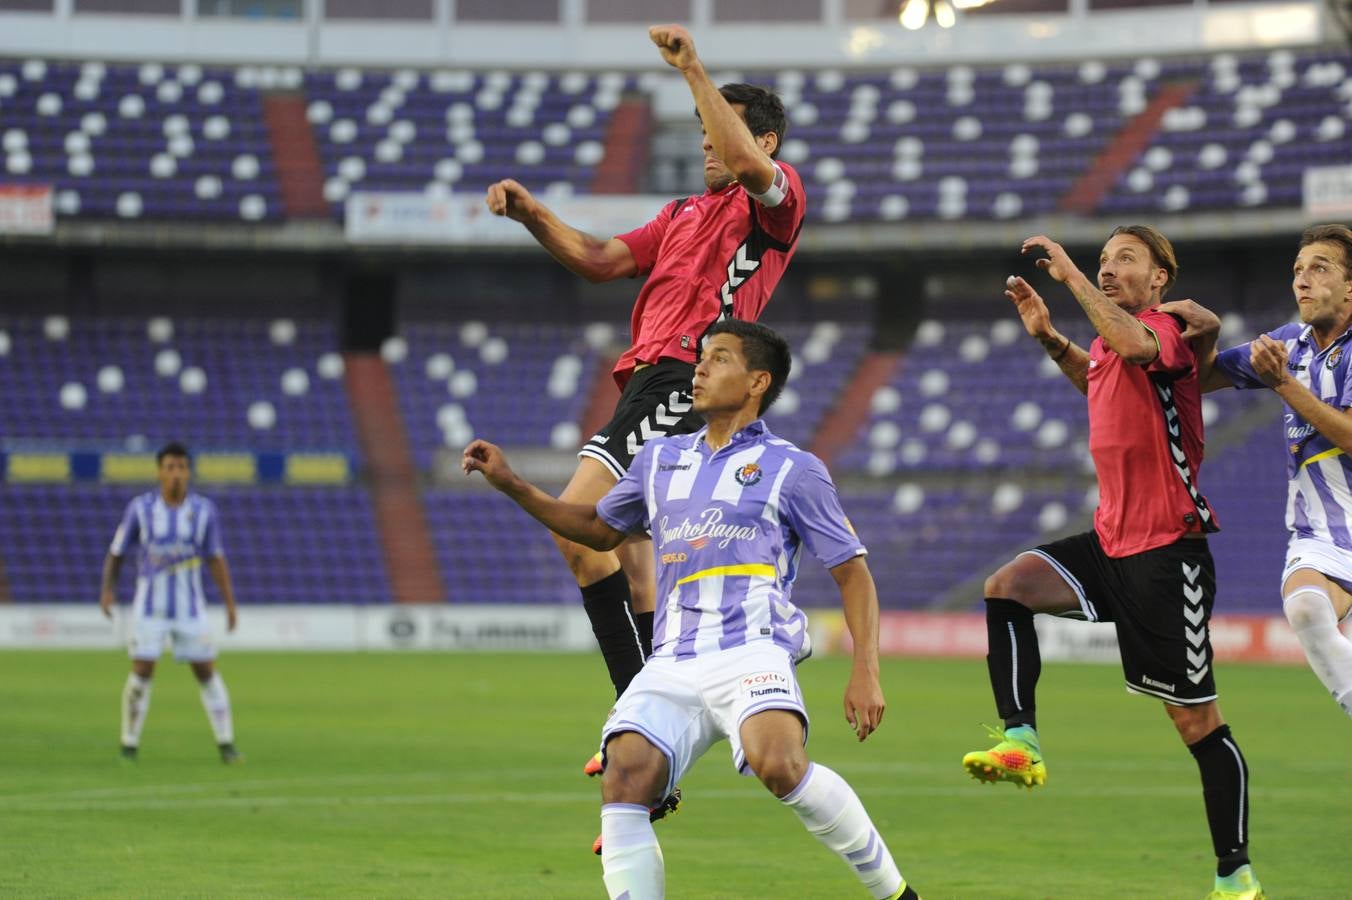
(728, 528)
(174, 541)
(1319, 496)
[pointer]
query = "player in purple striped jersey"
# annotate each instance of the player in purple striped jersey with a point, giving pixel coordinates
(1308, 366)
(730, 509)
(177, 532)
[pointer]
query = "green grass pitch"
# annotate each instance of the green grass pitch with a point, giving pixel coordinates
(437, 775)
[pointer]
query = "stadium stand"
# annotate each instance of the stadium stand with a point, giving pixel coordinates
(979, 395)
(311, 545)
(523, 385)
(459, 130)
(141, 142)
(105, 384)
(234, 384)
(957, 142)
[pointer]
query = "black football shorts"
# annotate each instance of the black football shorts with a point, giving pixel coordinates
(1160, 600)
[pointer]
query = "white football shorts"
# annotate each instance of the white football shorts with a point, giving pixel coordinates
(685, 707)
(191, 637)
(1328, 559)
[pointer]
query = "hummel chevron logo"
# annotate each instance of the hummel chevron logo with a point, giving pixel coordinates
(740, 268)
(1193, 593)
(1196, 677)
(1194, 615)
(662, 417)
(1195, 637)
(1190, 572)
(1177, 451)
(1197, 658)
(645, 432)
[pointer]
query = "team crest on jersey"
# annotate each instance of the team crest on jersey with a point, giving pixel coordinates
(1334, 357)
(748, 474)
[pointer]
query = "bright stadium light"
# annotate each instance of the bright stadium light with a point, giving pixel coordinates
(913, 14)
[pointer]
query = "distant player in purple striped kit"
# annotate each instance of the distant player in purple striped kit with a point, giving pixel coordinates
(730, 509)
(177, 532)
(1308, 365)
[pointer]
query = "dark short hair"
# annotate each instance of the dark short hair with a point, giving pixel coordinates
(1161, 251)
(764, 110)
(1331, 234)
(764, 350)
(173, 448)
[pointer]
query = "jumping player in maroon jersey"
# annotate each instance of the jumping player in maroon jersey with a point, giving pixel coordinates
(709, 257)
(1145, 566)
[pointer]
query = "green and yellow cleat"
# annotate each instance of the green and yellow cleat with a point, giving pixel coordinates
(1241, 884)
(1016, 758)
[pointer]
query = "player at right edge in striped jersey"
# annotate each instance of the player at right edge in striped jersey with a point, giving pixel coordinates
(730, 509)
(1145, 566)
(1306, 363)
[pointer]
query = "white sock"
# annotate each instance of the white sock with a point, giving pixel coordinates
(216, 701)
(135, 705)
(1311, 615)
(831, 810)
(630, 857)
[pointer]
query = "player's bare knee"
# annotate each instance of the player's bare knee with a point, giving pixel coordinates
(203, 671)
(587, 565)
(781, 772)
(1194, 722)
(635, 771)
(640, 589)
(1004, 583)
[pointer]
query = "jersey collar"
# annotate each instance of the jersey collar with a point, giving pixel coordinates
(1306, 336)
(749, 433)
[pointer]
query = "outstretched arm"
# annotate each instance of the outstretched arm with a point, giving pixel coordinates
(1073, 360)
(864, 703)
(575, 521)
(220, 573)
(582, 254)
(728, 134)
(1120, 330)
(1268, 357)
